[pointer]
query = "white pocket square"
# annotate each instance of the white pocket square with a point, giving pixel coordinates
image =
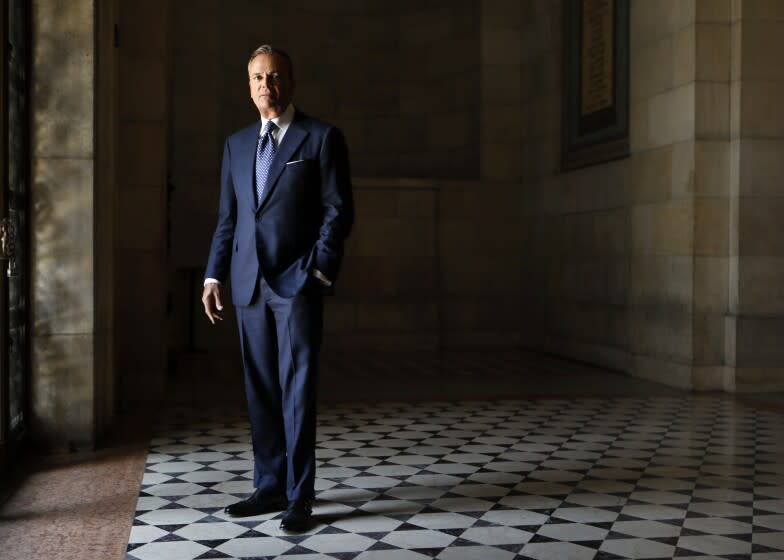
(295, 161)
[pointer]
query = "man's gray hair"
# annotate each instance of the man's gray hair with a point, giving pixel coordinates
(269, 49)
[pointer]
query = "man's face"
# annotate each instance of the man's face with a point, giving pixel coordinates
(271, 86)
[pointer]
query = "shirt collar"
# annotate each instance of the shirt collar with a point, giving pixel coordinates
(282, 121)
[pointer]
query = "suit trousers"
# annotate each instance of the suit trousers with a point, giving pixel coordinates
(280, 340)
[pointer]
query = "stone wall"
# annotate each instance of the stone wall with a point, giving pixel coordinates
(140, 304)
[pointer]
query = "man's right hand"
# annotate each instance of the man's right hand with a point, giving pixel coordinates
(211, 299)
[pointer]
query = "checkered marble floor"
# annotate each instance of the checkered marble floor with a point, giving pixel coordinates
(671, 477)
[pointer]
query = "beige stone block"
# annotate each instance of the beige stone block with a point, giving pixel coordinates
(62, 390)
(395, 237)
(500, 162)
(712, 116)
(545, 156)
(736, 104)
(143, 88)
(683, 173)
(61, 95)
(663, 229)
(558, 196)
(761, 167)
(62, 246)
(416, 203)
(422, 27)
(502, 46)
(651, 175)
(708, 338)
(735, 10)
(143, 154)
(713, 11)
(609, 232)
(415, 97)
(661, 281)
(650, 21)
(713, 52)
(369, 277)
(711, 284)
(685, 55)
(758, 342)
(759, 10)
(712, 168)
(372, 99)
(441, 60)
(142, 220)
(708, 378)
(664, 332)
(140, 284)
(711, 227)
(762, 43)
(653, 66)
(758, 379)
(492, 201)
(545, 115)
(730, 344)
(615, 191)
(735, 170)
(486, 274)
(760, 226)
(595, 279)
(194, 113)
(760, 285)
(507, 130)
(484, 340)
(592, 323)
(661, 370)
(339, 317)
(396, 316)
(418, 277)
(501, 84)
(638, 125)
(496, 14)
(194, 154)
(762, 109)
(671, 116)
(545, 74)
(736, 45)
(480, 313)
(144, 27)
(390, 134)
(450, 130)
(195, 29)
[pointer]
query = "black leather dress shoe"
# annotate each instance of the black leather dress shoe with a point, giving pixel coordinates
(256, 505)
(297, 517)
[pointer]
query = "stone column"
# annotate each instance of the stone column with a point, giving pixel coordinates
(755, 323)
(63, 330)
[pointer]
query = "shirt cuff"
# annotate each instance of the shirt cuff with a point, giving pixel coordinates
(211, 281)
(320, 277)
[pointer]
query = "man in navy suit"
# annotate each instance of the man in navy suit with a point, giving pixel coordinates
(285, 209)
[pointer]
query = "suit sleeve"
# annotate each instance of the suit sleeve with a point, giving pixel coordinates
(337, 202)
(220, 250)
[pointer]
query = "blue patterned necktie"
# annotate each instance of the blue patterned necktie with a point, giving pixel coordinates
(265, 153)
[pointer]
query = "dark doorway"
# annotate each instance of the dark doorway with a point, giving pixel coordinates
(14, 288)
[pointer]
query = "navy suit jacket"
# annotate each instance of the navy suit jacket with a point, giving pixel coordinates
(304, 216)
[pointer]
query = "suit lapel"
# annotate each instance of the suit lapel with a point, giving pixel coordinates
(247, 165)
(294, 136)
